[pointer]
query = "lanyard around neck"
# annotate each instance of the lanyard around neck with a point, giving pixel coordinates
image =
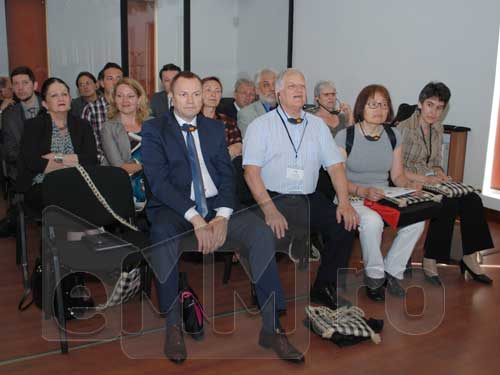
(296, 149)
(428, 149)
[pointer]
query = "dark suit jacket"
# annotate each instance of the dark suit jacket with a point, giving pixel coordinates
(159, 103)
(166, 164)
(37, 140)
(13, 127)
(226, 106)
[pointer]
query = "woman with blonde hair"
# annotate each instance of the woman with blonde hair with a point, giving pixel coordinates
(121, 134)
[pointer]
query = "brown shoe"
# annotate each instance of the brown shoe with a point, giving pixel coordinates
(280, 344)
(174, 349)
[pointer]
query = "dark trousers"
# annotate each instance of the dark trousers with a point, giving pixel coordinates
(318, 214)
(167, 228)
(474, 228)
(33, 198)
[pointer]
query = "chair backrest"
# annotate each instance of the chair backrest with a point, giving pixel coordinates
(67, 189)
(405, 110)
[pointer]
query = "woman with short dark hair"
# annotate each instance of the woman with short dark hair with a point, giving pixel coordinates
(212, 94)
(53, 140)
(422, 137)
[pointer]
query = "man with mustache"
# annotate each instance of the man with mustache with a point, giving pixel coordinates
(264, 82)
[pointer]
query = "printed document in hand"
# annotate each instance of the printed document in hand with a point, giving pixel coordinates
(394, 192)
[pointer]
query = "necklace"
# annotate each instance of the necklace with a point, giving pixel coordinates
(372, 138)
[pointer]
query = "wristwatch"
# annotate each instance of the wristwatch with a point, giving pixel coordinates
(58, 158)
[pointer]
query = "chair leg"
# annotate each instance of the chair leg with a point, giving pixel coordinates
(228, 266)
(146, 279)
(22, 248)
(59, 313)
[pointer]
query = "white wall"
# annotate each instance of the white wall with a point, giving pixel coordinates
(4, 56)
(404, 45)
(82, 35)
(169, 34)
(262, 35)
(235, 38)
(214, 37)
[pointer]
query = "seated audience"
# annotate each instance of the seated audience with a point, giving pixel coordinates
(371, 161)
(212, 93)
(422, 137)
(96, 113)
(161, 102)
(53, 140)
(325, 95)
(87, 87)
(243, 95)
(264, 83)
(121, 134)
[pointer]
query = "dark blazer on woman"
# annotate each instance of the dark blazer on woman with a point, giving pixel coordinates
(37, 140)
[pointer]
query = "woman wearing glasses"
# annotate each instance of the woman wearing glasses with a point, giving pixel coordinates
(422, 137)
(336, 115)
(375, 155)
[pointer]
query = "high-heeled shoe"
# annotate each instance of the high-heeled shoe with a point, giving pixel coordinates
(469, 274)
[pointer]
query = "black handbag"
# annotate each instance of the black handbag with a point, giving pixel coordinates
(75, 298)
(192, 310)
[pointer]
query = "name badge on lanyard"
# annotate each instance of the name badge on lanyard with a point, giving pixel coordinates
(295, 174)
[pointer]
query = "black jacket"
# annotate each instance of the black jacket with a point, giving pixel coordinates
(37, 140)
(12, 131)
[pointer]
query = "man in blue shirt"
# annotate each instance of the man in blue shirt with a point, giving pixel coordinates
(283, 151)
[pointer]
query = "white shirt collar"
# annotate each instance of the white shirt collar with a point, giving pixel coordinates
(236, 106)
(181, 121)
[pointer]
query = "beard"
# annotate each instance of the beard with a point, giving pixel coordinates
(268, 99)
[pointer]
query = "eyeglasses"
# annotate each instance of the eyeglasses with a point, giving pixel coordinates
(375, 105)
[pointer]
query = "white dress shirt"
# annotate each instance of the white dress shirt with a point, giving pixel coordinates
(208, 183)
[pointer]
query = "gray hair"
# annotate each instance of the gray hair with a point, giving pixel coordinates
(243, 81)
(259, 74)
(321, 85)
(280, 80)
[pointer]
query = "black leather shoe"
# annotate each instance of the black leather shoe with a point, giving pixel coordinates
(327, 296)
(280, 344)
(393, 286)
(376, 294)
(175, 349)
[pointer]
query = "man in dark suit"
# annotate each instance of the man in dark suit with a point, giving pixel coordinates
(24, 85)
(244, 94)
(160, 101)
(190, 178)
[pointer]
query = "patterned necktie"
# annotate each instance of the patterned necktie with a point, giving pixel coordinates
(198, 187)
